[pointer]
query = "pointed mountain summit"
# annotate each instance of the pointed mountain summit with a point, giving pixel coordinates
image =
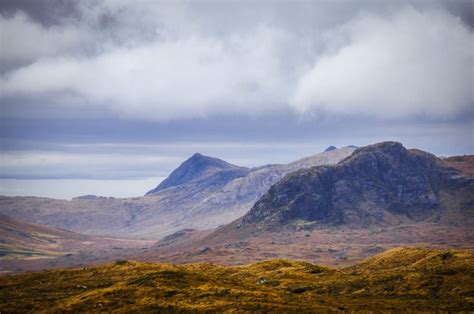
(378, 184)
(330, 148)
(198, 167)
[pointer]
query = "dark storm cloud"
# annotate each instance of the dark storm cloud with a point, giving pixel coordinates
(462, 8)
(45, 12)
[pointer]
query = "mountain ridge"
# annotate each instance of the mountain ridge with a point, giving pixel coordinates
(383, 183)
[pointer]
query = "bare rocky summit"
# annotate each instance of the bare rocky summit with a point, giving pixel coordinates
(201, 169)
(378, 184)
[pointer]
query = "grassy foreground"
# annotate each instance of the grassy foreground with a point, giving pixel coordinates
(399, 279)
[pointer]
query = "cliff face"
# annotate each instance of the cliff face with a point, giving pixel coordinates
(382, 183)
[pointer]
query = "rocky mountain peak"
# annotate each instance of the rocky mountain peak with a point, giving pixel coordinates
(330, 148)
(198, 156)
(382, 183)
(196, 167)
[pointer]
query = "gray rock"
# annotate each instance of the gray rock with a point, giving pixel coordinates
(378, 184)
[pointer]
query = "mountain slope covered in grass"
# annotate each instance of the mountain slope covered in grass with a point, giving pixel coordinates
(23, 244)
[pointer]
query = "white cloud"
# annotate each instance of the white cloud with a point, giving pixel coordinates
(53, 164)
(23, 40)
(168, 79)
(412, 63)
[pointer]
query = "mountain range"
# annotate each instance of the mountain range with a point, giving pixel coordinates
(335, 208)
(379, 197)
(202, 193)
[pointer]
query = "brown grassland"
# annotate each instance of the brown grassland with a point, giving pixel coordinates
(400, 279)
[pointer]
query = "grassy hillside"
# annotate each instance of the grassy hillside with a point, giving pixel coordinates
(24, 240)
(26, 246)
(465, 164)
(399, 279)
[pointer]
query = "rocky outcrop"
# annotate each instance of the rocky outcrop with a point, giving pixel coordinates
(382, 184)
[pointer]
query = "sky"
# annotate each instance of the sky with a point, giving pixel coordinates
(108, 97)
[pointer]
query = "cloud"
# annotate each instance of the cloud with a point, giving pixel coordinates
(156, 152)
(24, 40)
(412, 63)
(168, 79)
(169, 62)
(56, 164)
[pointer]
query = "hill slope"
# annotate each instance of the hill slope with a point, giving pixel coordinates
(465, 164)
(20, 241)
(397, 280)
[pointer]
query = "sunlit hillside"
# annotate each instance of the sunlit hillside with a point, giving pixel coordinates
(398, 279)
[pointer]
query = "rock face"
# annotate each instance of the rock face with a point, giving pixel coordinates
(207, 170)
(382, 184)
(330, 148)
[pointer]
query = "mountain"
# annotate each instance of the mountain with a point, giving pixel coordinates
(381, 184)
(382, 196)
(399, 280)
(202, 193)
(387, 196)
(330, 148)
(202, 169)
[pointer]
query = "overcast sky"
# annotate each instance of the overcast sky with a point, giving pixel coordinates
(107, 97)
